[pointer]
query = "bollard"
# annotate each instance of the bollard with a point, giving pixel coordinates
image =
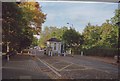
(49, 53)
(64, 54)
(8, 58)
(28, 52)
(81, 53)
(58, 54)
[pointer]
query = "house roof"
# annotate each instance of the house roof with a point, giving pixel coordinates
(54, 40)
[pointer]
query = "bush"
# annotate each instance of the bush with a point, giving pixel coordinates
(106, 52)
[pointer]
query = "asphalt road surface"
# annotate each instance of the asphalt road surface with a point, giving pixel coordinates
(41, 66)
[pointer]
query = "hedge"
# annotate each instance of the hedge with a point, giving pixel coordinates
(106, 52)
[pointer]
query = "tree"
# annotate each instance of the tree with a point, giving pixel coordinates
(116, 18)
(72, 39)
(108, 35)
(91, 36)
(11, 23)
(50, 32)
(17, 29)
(104, 36)
(33, 15)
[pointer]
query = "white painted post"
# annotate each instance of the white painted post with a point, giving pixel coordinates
(49, 53)
(64, 54)
(8, 58)
(7, 46)
(28, 52)
(8, 51)
(81, 53)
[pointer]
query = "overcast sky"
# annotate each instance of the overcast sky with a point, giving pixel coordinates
(77, 13)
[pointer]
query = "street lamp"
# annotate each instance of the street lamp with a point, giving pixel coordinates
(118, 24)
(70, 24)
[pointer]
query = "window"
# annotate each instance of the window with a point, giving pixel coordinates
(54, 46)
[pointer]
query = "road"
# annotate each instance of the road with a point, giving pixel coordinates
(80, 67)
(57, 67)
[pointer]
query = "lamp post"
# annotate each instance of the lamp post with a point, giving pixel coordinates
(70, 24)
(118, 24)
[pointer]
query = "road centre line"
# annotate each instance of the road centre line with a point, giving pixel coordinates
(49, 67)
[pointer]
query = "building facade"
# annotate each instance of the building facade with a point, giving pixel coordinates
(54, 46)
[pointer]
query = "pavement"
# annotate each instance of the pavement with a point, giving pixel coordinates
(22, 67)
(41, 66)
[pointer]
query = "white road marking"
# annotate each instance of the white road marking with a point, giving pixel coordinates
(65, 67)
(102, 70)
(75, 69)
(52, 66)
(70, 63)
(86, 67)
(49, 67)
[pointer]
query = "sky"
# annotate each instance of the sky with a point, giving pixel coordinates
(78, 14)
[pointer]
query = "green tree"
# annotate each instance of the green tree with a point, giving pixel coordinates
(91, 36)
(50, 32)
(108, 35)
(104, 36)
(73, 39)
(17, 29)
(116, 18)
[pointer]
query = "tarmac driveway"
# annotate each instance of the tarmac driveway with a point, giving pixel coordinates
(79, 67)
(57, 67)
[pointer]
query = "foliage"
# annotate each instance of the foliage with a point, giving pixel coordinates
(104, 36)
(72, 39)
(33, 15)
(104, 52)
(116, 18)
(17, 28)
(35, 42)
(50, 32)
(102, 40)
(91, 35)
